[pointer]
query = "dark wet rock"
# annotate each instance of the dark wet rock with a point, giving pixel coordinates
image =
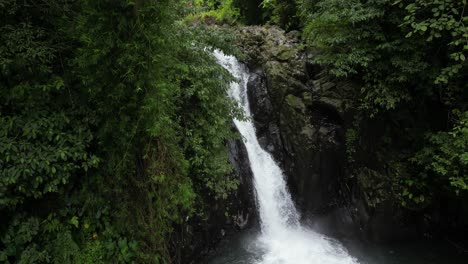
(243, 202)
(302, 131)
(301, 115)
(265, 116)
(257, 88)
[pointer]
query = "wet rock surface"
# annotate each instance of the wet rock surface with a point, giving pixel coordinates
(301, 115)
(243, 203)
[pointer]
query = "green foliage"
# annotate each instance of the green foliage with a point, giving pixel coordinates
(113, 125)
(282, 13)
(441, 165)
(353, 41)
(250, 11)
(42, 144)
(444, 159)
(446, 21)
(384, 43)
(39, 153)
(226, 12)
(278, 12)
(53, 240)
(409, 57)
(223, 12)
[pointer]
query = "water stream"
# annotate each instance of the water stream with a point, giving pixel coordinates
(282, 239)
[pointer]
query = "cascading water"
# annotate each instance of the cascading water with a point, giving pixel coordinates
(283, 239)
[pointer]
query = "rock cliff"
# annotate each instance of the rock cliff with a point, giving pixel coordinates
(302, 116)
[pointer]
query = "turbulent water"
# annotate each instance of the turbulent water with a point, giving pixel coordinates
(282, 239)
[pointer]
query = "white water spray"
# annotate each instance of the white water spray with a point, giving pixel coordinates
(282, 238)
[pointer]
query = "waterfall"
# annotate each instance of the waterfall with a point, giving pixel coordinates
(283, 239)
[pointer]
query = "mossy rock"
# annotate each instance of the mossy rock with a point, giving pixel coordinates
(295, 103)
(277, 78)
(309, 132)
(307, 98)
(284, 53)
(337, 104)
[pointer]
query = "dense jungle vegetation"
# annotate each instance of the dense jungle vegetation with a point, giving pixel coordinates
(113, 124)
(409, 58)
(114, 117)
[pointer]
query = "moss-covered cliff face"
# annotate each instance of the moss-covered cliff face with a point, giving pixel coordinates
(306, 119)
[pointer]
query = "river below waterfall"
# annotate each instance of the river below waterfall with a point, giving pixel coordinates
(244, 248)
(282, 239)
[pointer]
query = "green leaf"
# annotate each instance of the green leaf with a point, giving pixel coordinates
(74, 221)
